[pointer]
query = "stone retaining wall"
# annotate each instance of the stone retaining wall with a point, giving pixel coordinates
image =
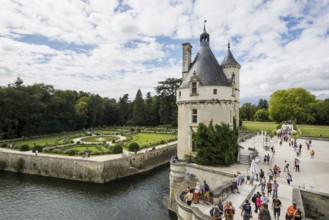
(87, 170)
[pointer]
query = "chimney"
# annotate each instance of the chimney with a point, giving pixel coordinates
(187, 53)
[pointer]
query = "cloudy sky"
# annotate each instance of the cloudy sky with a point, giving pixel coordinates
(113, 47)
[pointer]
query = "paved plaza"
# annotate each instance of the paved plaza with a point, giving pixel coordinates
(313, 173)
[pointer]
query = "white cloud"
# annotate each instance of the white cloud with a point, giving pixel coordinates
(116, 47)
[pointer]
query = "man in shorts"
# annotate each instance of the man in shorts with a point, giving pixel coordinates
(276, 205)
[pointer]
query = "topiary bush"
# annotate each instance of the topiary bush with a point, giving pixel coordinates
(37, 148)
(19, 164)
(3, 165)
(24, 147)
(133, 147)
(70, 152)
(117, 149)
(4, 145)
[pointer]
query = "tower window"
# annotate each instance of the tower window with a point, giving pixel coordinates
(193, 146)
(194, 88)
(179, 93)
(194, 115)
(215, 91)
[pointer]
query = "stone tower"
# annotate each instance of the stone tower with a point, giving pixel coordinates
(209, 91)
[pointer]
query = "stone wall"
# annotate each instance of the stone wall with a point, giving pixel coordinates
(183, 174)
(88, 170)
(314, 205)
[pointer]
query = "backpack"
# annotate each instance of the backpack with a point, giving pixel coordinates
(253, 199)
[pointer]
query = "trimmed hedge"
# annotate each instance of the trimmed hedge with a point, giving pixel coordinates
(24, 147)
(37, 148)
(117, 149)
(133, 147)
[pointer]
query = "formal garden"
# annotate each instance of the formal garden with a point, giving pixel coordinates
(96, 142)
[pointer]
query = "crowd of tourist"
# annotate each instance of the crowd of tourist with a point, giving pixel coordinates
(263, 201)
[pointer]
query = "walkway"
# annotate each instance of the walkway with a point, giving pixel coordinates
(99, 158)
(313, 172)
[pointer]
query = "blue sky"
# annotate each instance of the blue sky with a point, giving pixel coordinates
(112, 47)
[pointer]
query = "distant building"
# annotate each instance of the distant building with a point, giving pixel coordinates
(209, 91)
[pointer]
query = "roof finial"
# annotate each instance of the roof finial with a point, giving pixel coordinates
(204, 25)
(228, 45)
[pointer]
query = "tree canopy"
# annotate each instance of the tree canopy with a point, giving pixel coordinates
(291, 104)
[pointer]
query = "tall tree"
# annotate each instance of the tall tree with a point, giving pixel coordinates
(290, 104)
(167, 94)
(125, 110)
(262, 104)
(247, 111)
(139, 109)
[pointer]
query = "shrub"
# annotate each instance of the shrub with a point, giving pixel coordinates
(138, 130)
(162, 142)
(3, 165)
(117, 149)
(24, 147)
(70, 152)
(38, 148)
(133, 147)
(4, 145)
(19, 164)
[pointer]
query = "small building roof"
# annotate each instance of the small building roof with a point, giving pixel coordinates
(229, 58)
(205, 66)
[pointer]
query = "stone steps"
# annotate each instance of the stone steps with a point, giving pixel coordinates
(244, 159)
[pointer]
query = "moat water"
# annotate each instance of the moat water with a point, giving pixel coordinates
(34, 197)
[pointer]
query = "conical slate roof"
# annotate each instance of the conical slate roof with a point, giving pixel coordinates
(205, 66)
(229, 58)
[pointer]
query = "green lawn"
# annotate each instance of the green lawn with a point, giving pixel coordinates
(148, 139)
(258, 126)
(314, 130)
(97, 138)
(58, 139)
(91, 148)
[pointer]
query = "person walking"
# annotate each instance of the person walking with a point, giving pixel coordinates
(258, 203)
(206, 192)
(291, 211)
(264, 199)
(269, 188)
(229, 211)
(312, 153)
(297, 162)
(286, 166)
(264, 213)
(197, 193)
(276, 206)
(246, 211)
(275, 187)
(253, 199)
(289, 178)
(215, 213)
(189, 197)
